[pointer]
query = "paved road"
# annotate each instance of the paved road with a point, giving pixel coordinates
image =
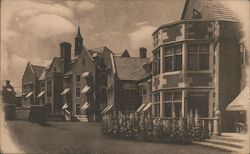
(75, 137)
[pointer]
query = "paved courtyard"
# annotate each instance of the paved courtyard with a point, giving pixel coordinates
(75, 137)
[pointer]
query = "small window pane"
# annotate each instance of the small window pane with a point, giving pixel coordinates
(177, 96)
(167, 96)
(192, 62)
(78, 93)
(204, 62)
(168, 64)
(168, 51)
(204, 48)
(178, 49)
(78, 78)
(168, 109)
(178, 63)
(78, 111)
(192, 48)
(177, 109)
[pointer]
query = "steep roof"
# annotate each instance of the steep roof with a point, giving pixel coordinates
(37, 70)
(129, 68)
(125, 53)
(99, 50)
(209, 10)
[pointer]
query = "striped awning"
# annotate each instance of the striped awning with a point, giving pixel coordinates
(107, 109)
(85, 106)
(29, 94)
(65, 106)
(85, 74)
(147, 107)
(41, 94)
(85, 89)
(65, 91)
(141, 107)
(240, 102)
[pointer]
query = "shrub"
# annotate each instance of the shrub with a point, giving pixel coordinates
(142, 128)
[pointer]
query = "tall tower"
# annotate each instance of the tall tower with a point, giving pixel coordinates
(78, 42)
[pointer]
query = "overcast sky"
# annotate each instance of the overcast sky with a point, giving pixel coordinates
(32, 30)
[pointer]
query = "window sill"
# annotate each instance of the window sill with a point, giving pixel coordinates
(172, 73)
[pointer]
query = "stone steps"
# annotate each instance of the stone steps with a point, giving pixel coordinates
(224, 143)
(217, 146)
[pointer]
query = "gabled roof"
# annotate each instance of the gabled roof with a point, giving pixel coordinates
(129, 68)
(125, 53)
(208, 9)
(57, 60)
(99, 50)
(37, 70)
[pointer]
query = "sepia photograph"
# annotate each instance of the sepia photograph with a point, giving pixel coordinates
(125, 77)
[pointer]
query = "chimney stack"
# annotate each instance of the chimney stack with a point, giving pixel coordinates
(66, 54)
(143, 52)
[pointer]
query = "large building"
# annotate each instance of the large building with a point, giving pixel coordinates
(196, 63)
(31, 85)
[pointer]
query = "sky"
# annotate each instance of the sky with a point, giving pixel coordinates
(31, 30)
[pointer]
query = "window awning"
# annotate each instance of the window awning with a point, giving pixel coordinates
(65, 91)
(85, 74)
(140, 108)
(240, 102)
(147, 107)
(85, 89)
(85, 106)
(107, 109)
(94, 55)
(29, 94)
(40, 94)
(65, 106)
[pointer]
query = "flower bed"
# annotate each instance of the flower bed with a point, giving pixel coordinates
(142, 128)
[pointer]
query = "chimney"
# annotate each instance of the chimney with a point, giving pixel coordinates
(143, 52)
(66, 54)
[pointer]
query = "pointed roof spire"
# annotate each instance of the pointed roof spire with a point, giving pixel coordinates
(78, 35)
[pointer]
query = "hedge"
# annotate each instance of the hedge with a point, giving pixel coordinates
(145, 128)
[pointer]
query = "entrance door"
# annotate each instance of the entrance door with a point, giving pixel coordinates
(199, 102)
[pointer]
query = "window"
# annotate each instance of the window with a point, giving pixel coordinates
(78, 78)
(172, 58)
(157, 97)
(54, 69)
(198, 57)
(172, 104)
(49, 88)
(78, 92)
(156, 39)
(42, 84)
(200, 30)
(78, 109)
(130, 92)
(156, 62)
(144, 90)
(156, 110)
(156, 105)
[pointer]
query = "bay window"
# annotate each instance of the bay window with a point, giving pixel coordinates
(172, 58)
(173, 104)
(198, 56)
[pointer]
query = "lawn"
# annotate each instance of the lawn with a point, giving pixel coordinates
(76, 137)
